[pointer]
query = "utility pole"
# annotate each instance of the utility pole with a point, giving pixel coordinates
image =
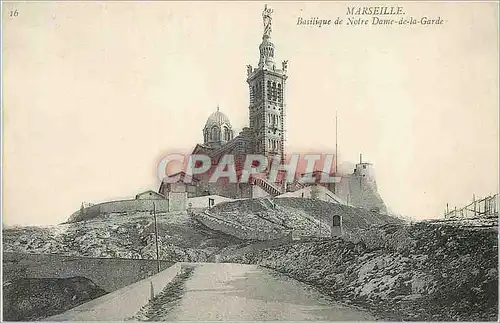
(360, 178)
(320, 227)
(336, 151)
(156, 239)
(474, 201)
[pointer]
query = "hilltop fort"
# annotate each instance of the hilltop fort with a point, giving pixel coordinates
(264, 136)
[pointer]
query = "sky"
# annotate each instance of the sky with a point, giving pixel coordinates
(94, 94)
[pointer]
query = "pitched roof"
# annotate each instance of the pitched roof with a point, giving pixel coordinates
(150, 192)
(182, 177)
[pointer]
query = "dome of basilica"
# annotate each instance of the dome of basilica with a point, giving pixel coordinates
(217, 130)
(217, 119)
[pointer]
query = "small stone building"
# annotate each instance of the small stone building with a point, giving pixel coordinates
(149, 195)
(177, 188)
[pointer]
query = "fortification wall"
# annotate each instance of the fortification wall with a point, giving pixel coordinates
(123, 206)
(201, 202)
(177, 201)
(121, 305)
(314, 191)
(236, 230)
(109, 274)
(361, 192)
(223, 186)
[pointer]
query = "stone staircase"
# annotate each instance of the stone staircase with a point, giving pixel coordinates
(268, 187)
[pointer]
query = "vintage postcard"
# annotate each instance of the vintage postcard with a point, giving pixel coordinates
(250, 161)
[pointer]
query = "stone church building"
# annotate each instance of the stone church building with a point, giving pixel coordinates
(265, 136)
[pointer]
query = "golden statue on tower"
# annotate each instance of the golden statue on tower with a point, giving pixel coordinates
(267, 19)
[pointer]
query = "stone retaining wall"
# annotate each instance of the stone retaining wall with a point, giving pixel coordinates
(123, 303)
(237, 230)
(123, 206)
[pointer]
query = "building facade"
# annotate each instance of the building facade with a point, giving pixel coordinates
(266, 135)
(267, 106)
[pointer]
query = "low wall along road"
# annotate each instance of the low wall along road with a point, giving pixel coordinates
(220, 292)
(123, 303)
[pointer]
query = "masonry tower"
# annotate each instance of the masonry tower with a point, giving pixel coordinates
(267, 97)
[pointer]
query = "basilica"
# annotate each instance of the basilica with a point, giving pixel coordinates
(265, 135)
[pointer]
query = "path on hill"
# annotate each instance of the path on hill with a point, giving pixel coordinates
(236, 292)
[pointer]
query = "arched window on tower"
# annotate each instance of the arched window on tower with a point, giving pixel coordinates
(252, 93)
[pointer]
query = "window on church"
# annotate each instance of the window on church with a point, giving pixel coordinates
(273, 91)
(226, 134)
(215, 133)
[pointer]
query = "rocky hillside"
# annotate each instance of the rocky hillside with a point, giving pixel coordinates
(425, 271)
(302, 215)
(180, 238)
(413, 272)
(29, 299)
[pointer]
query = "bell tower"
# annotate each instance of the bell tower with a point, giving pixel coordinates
(267, 97)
